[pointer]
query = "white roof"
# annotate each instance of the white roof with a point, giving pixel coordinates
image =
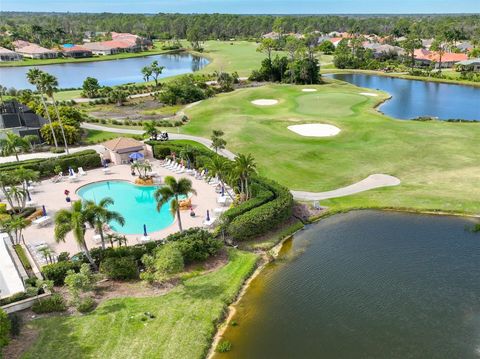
(10, 280)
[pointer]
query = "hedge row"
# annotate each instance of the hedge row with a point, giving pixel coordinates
(87, 159)
(271, 204)
(261, 219)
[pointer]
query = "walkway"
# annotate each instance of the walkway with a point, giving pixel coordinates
(29, 156)
(371, 182)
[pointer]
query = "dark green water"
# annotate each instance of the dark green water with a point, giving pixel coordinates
(367, 285)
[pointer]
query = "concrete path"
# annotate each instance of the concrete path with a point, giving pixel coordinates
(371, 182)
(173, 136)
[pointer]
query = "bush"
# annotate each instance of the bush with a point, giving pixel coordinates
(223, 346)
(58, 271)
(16, 324)
(54, 303)
(22, 256)
(87, 159)
(119, 268)
(5, 327)
(195, 244)
(86, 305)
(169, 260)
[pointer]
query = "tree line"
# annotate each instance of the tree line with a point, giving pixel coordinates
(59, 28)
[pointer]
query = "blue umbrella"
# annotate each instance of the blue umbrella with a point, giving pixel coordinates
(136, 156)
(70, 171)
(208, 215)
(144, 230)
(44, 211)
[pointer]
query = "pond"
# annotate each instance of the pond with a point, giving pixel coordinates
(108, 73)
(366, 284)
(413, 98)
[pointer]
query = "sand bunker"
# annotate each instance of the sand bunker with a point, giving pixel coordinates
(309, 90)
(371, 94)
(264, 102)
(315, 130)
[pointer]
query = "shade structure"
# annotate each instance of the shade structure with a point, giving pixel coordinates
(70, 171)
(44, 210)
(208, 215)
(145, 230)
(223, 191)
(136, 156)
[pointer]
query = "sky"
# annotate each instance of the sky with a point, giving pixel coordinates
(248, 6)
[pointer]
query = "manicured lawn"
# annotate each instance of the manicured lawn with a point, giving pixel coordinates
(95, 136)
(184, 325)
(437, 162)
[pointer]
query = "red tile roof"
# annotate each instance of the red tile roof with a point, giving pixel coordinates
(422, 54)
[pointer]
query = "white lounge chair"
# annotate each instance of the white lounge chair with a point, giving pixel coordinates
(209, 223)
(42, 221)
(58, 178)
(73, 178)
(106, 170)
(222, 200)
(200, 175)
(166, 163)
(181, 169)
(81, 172)
(144, 239)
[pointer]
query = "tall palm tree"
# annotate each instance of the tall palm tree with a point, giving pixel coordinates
(12, 143)
(33, 76)
(98, 214)
(245, 167)
(19, 196)
(73, 220)
(50, 83)
(171, 191)
(14, 227)
(219, 166)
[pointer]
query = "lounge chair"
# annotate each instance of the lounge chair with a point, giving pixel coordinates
(222, 200)
(73, 178)
(166, 163)
(42, 221)
(106, 170)
(81, 172)
(57, 178)
(144, 239)
(181, 169)
(200, 175)
(209, 223)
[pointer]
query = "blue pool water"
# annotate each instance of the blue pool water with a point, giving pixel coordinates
(135, 203)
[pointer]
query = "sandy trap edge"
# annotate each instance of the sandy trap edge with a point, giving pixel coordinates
(265, 102)
(309, 90)
(315, 130)
(371, 94)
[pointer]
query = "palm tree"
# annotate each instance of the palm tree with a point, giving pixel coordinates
(171, 191)
(245, 167)
(50, 83)
(33, 76)
(73, 220)
(147, 73)
(217, 141)
(12, 143)
(14, 227)
(19, 195)
(99, 214)
(219, 166)
(31, 140)
(150, 128)
(7, 180)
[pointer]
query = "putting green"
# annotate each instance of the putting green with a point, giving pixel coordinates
(436, 161)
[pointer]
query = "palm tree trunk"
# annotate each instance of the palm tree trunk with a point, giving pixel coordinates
(49, 120)
(16, 154)
(223, 185)
(178, 215)
(87, 254)
(100, 231)
(60, 123)
(246, 188)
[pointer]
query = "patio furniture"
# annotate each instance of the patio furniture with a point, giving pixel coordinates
(81, 172)
(144, 239)
(106, 170)
(42, 221)
(222, 200)
(219, 210)
(209, 223)
(73, 178)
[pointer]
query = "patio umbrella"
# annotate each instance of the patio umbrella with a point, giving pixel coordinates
(44, 211)
(188, 163)
(70, 171)
(145, 230)
(223, 191)
(136, 156)
(208, 215)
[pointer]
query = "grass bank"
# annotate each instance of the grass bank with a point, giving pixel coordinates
(436, 161)
(185, 323)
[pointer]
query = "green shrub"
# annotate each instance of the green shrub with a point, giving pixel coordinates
(5, 327)
(195, 244)
(14, 298)
(16, 324)
(169, 260)
(58, 271)
(3, 207)
(119, 268)
(223, 346)
(54, 303)
(86, 305)
(22, 256)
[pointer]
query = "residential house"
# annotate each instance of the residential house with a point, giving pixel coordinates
(383, 50)
(111, 47)
(20, 119)
(465, 46)
(33, 51)
(75, 51)
(425, 57)
(427, 43)
(272, 35)
(136, 41)
(9, 55)
(336, 40)
(469, 65)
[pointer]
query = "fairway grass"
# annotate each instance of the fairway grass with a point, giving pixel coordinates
(184, 324)
(436, 161)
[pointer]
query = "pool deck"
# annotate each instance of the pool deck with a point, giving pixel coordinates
(52, 196)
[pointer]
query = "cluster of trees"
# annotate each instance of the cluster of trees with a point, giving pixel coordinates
(299, 67)
(59, 28)
(185, 89)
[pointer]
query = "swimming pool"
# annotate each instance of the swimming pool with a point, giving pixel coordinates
(135, 203)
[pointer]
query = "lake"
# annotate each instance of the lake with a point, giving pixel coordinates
(109, 73)
(414, 98)
(366, 284)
